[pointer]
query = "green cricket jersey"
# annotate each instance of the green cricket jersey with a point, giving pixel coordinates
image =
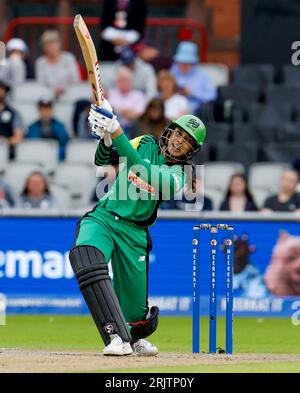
(143, 183)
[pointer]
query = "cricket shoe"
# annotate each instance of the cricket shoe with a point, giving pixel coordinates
(117, 347)
(144, 348)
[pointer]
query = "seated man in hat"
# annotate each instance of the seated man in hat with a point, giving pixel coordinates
(47, 127)
(194, 83)
(11, 127)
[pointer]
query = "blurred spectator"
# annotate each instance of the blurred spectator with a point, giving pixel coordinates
(80, 118)
(123, 24)
(152, 55)
(191, 199)
(56, 69)
(153, 120)
(238, 197)
(11, 126)
(36, 193)
(144, 77)
(128, 103)
(47, 127)
(287, 200)
(15, 70)
(194, 83)
(7, 197)
(176, 105)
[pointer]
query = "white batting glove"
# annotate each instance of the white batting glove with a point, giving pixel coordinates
(103, 122)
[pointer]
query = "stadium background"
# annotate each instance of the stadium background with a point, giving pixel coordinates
(247, 99)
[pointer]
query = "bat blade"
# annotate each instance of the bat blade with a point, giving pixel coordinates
(90, 57)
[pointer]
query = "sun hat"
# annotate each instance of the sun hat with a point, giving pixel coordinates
(16, 44)
(187, 53)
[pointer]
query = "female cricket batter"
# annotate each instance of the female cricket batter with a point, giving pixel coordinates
(117, 228)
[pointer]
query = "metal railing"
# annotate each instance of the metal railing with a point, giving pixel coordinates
(163, 33)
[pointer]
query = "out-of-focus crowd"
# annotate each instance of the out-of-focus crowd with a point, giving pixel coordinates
(146, 89)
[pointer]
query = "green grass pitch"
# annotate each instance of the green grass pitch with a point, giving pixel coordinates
(78, 333)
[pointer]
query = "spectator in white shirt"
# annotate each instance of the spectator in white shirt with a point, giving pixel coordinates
(128, 103)
(56, 69)
(176, 105)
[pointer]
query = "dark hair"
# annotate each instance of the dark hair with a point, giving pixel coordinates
(25, 190)
(146, 122)
(247, 191)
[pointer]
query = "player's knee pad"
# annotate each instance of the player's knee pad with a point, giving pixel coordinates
(145, 328)
(91, 272)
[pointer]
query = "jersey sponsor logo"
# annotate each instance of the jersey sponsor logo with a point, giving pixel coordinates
(141, 184)
(142, 258)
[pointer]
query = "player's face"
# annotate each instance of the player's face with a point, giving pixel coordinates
(180, 143)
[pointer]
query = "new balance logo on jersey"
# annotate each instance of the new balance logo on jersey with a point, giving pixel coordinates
(142, 258)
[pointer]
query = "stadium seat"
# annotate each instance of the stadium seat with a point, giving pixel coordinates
(246, 153)
(282, 152)
(239, 95)
(216, 196)
(243, 132)
(203, 155)
(279, 96)
(217, 132)
(4, 155)
(254, 75)
(79, 179)
(17, 173)
(291, 75)
(259, 196)
(265, 176)
(219, 73)
(81, 151)
(61, 195)
(31, 91)
(236, 99)
(268, 121)
(44, 152)
(63, 111)
(218, 174)
(79, 91)
(28, 111)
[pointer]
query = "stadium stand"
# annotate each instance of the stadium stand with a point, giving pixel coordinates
(42, 152)
(264, 179)
(4, 155)
(218, 174)
(79, 179)
(81, 152)
(254, 75)
(61, 195)
(17, 173)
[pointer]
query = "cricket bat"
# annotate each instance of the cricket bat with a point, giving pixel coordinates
(91, 62)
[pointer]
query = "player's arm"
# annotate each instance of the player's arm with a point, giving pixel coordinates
(168, 178)
(171, 177)
(106, 155)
